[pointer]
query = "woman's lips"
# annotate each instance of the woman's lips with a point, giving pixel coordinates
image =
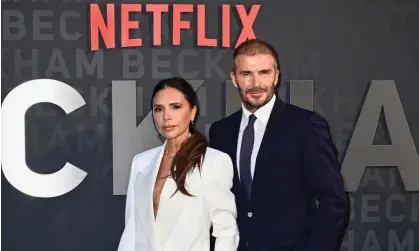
(168, 128)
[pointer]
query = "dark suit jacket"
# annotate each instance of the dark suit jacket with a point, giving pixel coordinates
(297, 164)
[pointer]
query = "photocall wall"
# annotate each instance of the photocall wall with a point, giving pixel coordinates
(77, 78)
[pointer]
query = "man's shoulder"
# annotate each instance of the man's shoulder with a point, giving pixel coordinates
(304, 117)
(226, 121)
(301, 113)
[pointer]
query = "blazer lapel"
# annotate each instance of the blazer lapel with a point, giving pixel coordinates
(268, 142)
(171, 207)
(144, 199)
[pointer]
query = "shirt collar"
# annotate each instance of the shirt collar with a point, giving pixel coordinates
(262, 114)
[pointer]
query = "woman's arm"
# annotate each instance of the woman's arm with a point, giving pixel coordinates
(218, 179)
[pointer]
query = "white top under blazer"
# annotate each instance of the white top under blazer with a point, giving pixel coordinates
(182, 222)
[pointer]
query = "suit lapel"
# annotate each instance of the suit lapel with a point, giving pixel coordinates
(268, 142)
(144, 187)
(171, 207)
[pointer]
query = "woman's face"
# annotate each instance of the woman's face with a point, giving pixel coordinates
(172, 113)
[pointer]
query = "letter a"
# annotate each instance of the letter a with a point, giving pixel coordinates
(401, 153)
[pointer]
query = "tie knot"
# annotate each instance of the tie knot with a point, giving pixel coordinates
(252, 119)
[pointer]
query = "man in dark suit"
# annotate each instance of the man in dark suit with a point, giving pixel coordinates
(288, 186)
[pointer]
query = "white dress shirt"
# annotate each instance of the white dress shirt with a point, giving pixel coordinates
(262, 118)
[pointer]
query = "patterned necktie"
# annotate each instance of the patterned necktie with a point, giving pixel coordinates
(246, 155)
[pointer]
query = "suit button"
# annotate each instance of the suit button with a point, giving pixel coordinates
(249, 214)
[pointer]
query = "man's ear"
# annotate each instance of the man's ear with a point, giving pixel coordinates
(233, 78)
(277, 77)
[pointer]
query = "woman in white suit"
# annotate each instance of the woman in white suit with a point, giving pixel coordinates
(177, 191)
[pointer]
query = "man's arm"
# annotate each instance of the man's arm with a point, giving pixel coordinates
(212, 136)
(324, 183)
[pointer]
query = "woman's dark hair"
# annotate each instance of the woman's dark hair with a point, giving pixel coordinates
(192, 151)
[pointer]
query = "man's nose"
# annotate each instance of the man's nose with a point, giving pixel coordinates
(255, 80)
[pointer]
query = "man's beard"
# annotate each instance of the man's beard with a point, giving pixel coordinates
(255, 106)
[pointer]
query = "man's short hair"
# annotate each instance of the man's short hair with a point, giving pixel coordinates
(254, 47)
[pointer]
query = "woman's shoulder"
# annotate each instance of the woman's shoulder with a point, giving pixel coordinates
(217, 161)
(213, 153)
(148, 154)
(218, 165)
(142, 159)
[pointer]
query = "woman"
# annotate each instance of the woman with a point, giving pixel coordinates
(177, 191)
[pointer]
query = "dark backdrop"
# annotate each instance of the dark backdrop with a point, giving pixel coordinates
(332, 53)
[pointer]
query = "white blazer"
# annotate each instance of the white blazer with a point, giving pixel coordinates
(182, 222)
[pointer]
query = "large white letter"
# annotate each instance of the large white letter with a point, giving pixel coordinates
(15, 169)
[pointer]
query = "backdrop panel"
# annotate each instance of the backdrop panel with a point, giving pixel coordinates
(354, 62)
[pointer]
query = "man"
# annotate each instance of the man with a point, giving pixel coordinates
(285, 162)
